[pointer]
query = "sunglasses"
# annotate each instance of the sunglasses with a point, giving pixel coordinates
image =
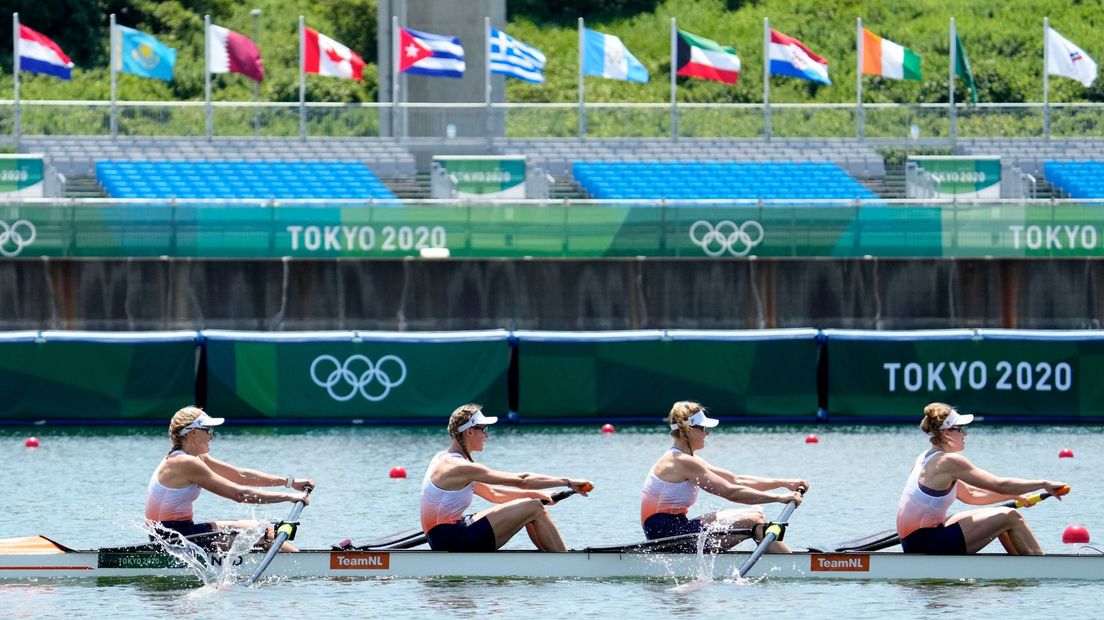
(696, 427)
(481, 428)
(961, 429)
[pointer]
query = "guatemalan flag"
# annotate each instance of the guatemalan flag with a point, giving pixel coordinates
(788, 56)
(38, 54)
(425, 53)
(604, 55)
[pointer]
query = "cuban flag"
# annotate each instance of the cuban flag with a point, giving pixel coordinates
(38, 54)
(604, 55)
(425, 53)
(516, 59)
(788, 56)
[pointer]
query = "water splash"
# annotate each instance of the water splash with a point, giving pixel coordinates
(216, 569)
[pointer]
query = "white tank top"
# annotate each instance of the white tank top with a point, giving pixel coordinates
(167, 504)
(669, 497)
(921, 507)
(439, 505)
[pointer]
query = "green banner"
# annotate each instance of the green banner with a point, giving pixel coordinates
(355, 376)
(994, 372)
(641, 374)
(478, 176)
(577, 231)
(96, 376)
(961, 176)
(21, 177)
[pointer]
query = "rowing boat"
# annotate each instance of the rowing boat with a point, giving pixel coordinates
(42, 558)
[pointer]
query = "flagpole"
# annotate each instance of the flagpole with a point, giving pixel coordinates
(487, 75)
(395, 76)
(112, 59)
(15, 74)
(951, 84)
(207, 76)
(582, 95)
(302, 81)
(1046, 78)
(858, 78)
(674, 68)
(256, 13)
(766, 80)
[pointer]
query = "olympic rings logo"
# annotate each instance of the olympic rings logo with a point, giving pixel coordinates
(357, 374)
(726, 236)
(15, 237)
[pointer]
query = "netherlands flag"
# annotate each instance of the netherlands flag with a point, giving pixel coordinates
(426, 53)
(788, 56)
(38, 54)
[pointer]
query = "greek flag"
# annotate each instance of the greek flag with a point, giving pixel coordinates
(513, 58)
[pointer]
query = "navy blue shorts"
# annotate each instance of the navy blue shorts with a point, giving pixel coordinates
(465, 535)
(184, 528)
(938, 540)
(665, 525)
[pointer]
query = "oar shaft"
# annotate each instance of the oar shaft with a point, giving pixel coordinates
(769, 536)
(282, 534)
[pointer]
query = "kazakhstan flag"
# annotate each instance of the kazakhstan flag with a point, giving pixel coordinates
(142, 54)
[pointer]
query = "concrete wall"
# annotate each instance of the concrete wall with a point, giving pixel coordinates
(131, 294)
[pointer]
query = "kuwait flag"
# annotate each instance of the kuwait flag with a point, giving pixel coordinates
(887, 59)
(705, 58)
(324, 56)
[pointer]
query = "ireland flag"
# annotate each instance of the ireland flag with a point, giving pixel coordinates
(888, 59)
(705, 58)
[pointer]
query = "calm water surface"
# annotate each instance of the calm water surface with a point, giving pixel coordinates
(86, 488)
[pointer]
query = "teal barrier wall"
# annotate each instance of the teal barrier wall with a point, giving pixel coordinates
(355, 375)
(1008, 373)
(96, 375)
(640, 374)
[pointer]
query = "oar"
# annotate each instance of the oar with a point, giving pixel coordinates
(772, 532)
(282, 533)
(407, 539)
(889, 538)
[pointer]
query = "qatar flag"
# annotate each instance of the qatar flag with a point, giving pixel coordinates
(324, 56)
(233, 52)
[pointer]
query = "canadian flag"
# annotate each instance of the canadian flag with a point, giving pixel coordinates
(324, 56)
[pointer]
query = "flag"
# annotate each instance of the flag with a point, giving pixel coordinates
(1068, 60)
(232, 52)
(962, 68)
(38, 54)
(788, 56)
(324, 56)
(604, 55)
(143, 55)
(425, 53)
(704, 58)
(888, 59)
(516, 59)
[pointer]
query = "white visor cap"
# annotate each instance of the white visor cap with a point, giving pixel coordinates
(699, 419)
(477, 420)
(203, 421)
(956, 419)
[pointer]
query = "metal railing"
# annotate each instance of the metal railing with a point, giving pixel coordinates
(919, 123)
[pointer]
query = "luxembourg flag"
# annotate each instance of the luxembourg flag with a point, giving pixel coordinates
(324, 56)
(788, 56)
(38, 54)
(425, 53)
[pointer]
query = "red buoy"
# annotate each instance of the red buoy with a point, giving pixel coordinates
(607, 429)
(32, 442)
(398, 471)
(1065, 453)
(810, 438)
(1076, 535)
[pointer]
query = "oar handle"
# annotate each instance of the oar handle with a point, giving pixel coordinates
(771, 533)
(1035, 498)
(562, 495)
(282, 534)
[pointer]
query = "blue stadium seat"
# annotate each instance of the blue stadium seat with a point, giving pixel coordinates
(1079, 179)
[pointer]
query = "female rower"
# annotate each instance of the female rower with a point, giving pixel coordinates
(453, 477)
(922, 521)
(672, 484)
(189, 467)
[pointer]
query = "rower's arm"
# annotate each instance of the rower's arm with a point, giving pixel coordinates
(969, 494)
(198, 472)
(759, 483)
(710, 482)
(480, 473)
(241, 475)
(960, 468)
(500, 495)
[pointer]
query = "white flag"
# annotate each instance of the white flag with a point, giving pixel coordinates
(1068, 60)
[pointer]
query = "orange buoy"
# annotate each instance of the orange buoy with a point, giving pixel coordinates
(31, 442)
(1075, 535)
(1065, 453)
(608, 429)
(398, 471)
(811, 438)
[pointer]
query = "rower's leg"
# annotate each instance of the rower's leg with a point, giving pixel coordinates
(739, 519)
(270, 532)
(508, 519)
(980, 527)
